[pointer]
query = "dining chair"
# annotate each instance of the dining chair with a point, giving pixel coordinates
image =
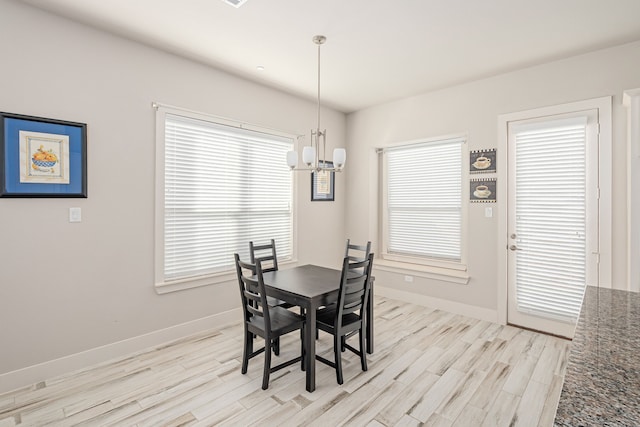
(267, 253)
(357, 252)
(347, 317)
(263, 320)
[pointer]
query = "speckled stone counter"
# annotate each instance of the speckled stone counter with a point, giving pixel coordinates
(602, 381)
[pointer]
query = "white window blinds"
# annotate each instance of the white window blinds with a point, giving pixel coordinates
(424, 200)
(551, 217)
(224, 186)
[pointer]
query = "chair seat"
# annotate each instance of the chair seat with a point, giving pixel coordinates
(275, 302)
(327, 317)
(283, 321)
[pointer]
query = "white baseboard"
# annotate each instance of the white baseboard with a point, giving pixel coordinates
(440, 304)
(73, 362)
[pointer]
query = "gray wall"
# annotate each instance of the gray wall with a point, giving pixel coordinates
(66, 288)
(474, 108)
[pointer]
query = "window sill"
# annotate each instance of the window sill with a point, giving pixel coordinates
(196, 282)
(459, 276)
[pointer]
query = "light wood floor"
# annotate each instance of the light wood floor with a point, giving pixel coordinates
(429, 368)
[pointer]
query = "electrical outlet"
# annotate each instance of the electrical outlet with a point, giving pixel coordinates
(408, 279)
(75, 215)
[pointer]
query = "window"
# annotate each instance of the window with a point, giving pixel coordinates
(219, 187)
(422, 202)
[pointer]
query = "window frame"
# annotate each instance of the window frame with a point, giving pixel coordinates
(448, 270)
(164, 286)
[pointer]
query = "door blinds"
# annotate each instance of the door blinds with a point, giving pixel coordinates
(551, 218)
(224, 186)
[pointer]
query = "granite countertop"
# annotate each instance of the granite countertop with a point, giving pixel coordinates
(602, 381)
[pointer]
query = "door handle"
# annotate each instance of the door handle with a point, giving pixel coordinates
(513, 248)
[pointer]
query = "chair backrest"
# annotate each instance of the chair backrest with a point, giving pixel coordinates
(266, 254)
(252, 291)
(354, 287)
(357, 252)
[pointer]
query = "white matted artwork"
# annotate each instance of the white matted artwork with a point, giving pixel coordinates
(44, 158)
(323, 184)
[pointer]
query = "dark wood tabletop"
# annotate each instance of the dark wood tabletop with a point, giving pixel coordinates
(299, 284)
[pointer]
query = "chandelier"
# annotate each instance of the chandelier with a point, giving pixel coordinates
(311, 153)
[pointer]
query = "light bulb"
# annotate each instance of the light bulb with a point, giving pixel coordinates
(308, 155)
(292, 159)
(339, 157)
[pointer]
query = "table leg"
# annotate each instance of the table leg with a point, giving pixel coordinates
(310, 348)
(369, 326)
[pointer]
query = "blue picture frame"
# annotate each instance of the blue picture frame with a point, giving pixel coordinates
(41, 157)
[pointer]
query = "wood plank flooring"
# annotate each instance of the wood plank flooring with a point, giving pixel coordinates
(429, 368)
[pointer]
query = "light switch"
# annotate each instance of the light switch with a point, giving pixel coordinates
(75, 215)
(488, 212)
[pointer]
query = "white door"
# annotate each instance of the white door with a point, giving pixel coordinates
(552, 219)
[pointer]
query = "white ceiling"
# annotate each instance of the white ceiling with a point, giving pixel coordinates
(376, 50)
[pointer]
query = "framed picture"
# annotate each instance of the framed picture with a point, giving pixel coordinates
(482, 161)
(322, 184)
(482, 190)
(42, 157)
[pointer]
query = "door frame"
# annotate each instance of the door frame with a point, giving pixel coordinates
(603, 105)
(631, 100)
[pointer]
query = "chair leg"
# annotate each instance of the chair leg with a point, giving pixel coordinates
(302, 352)
(276, 346)
(248, 349)
(317, 333)
(302, 345)
(363, 349)
(267, 364)
(343, 341)
(338, 356)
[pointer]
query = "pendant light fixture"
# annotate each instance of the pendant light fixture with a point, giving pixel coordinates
(311, 153)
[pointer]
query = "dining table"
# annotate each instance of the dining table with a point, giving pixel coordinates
(311, 287)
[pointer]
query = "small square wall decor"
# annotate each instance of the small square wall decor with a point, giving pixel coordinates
(482, 161)
(482, 190)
